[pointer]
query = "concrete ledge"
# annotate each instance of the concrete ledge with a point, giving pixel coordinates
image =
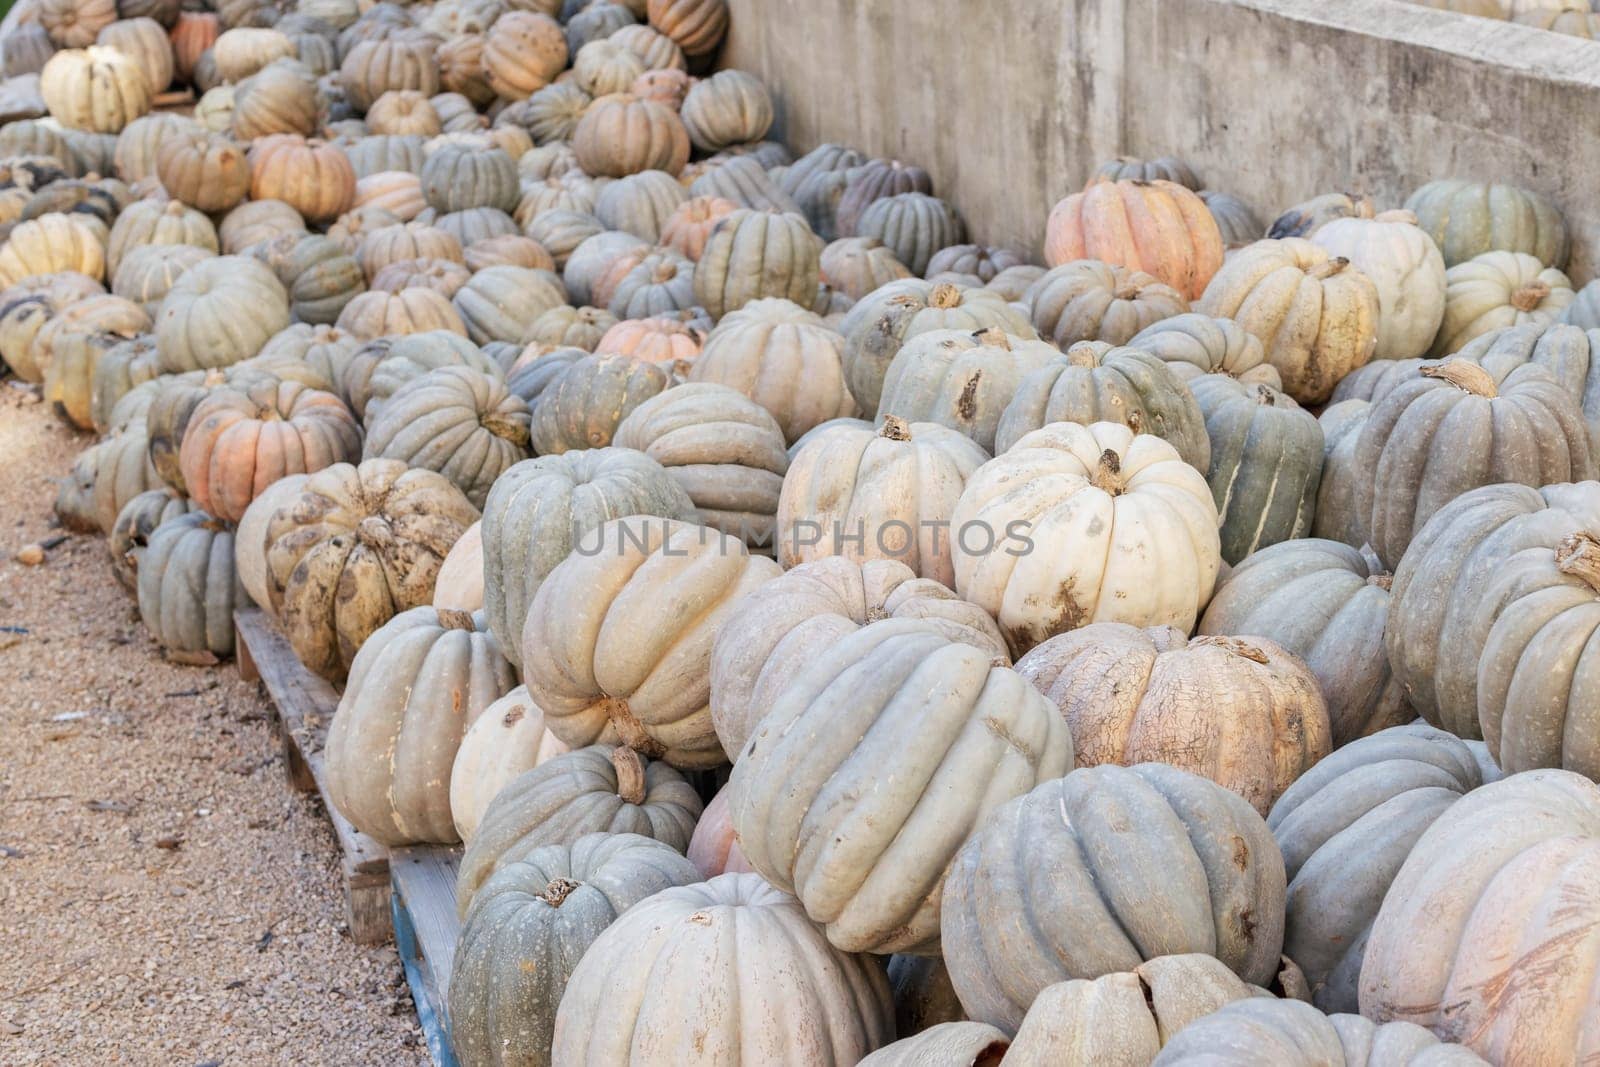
(1011, 103)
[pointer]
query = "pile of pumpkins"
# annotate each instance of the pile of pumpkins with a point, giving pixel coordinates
(1577, 18)
(834, 640)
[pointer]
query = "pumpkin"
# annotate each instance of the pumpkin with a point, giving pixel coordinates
(660, 283)
(522, 53)
(26, 308)
(960, 380)
(135, 153)
(1068, 527)
(460, 581)
(402, 112)
(1266, 462)
(668, 87)
(95, 315)
(52, 244)
(167, 417)
(1496, 290)
(1091, 301)
(621, 134)
(1103, 833)
(584, 662)
(597, 21)
(188, 588)
(564, 326)
(1336, 517)
(1562, 350)
(192, 35)
(1407, 270)
(144, 41)
(130, 534)
(1235, 220)
(779, 629)
(640, 204)
(148, 273)
(375, 154)
(257, 222)
(382, 367)
(507, 251)
(1162, 168)
(857, 266)
(220, 311)
(243, 50)
(69, 378)
(658, 340)
(443, 275)
(752, 255)
(461, 68)
(713, 849)
(979, 261)
(784, 358)
(454, 420)
(214, 110)
(399, 61)
(412, 240)
(691, 222)
(313, 177)
(415, 686)
(1157, 227)
(25, 50)
(501, 303)
(1264, 1031)
(1346, 826)
(1305, 219)
(539, 509)
(907, 708)
(316, 356)
(506, 739)
(730, 107)
(319, 276)
(549, 115)
(1522, 428)
(587, 790)
(1505, 865)
(914, 225)
(1467, 219)
(203, 170)
(151, 222)
(249, 542)
(1094, 382)
(455, 179)
(604, 66)
(97, 89)
(103, 478)
(414, 310)
(1193, 344)
(725, 450)
(529, 926)
(1317, 316)
(120, 369)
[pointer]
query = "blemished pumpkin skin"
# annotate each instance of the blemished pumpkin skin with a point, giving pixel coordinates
(609, 656)
(1326, 603)
(583, 407)
(565, 326)
(857, 266)
(104, 477)
(1466, 219)
(26, 308)
(97, 89)
(250, 538)
(313, 177)
(167, 418)
(1266, 462)
(221, 311)
(599, 789)
(355, 547)
(1316, 315)
(243, 438)
(868, 493)
(454, 420)
(1496, 290)
(130, 534)
(529, 926)
(754, 255)
(662, 339)
(188, 588)
(1193, 344)
(1261, 1030)
(960, 380)
(1241, 711)
(621, 134)
(1565, 351)
(52, 244)
(915, 225)
(1143, 862)
(522, 53)
(1306, 218)
(784, 358)
(1474, 939)
(203, 170)
(538, 510)
(725, 450)
(1525, 428)
(1158, 227)
(779, 629)
(675, 961)
(1346, 826)
(1076, 525)
(1405, 266)
(1094, 382)
(1091, 301)
(508, 738)
(912, 711)
(415, 686)
(883, 321)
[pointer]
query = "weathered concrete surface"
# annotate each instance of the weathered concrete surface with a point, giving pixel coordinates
(1010, 103)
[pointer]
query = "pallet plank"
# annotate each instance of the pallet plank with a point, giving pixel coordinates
(426, 930)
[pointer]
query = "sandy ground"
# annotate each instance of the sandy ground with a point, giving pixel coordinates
(165, 897)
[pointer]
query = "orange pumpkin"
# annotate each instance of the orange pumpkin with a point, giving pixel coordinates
(523, 53)
(663, 339)
(192, 36)
(311, 176)
(697, 26)
(691, 223)
(621, 135)
(1158, 227)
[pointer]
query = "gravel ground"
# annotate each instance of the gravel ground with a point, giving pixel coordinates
(165, 897)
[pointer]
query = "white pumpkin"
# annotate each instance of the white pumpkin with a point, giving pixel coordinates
(1495, 290)
(460, 581)
(1408, 270)
(507, 738)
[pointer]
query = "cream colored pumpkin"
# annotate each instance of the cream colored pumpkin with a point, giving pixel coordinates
(96, 89)
(1495, 290)
(250, 539)
(460, 581)
(509, 737)
(1408, 271)
(51, 244)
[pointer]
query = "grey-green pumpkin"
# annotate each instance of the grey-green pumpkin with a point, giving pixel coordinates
(130, 534)
(188, 588)
(584, 406)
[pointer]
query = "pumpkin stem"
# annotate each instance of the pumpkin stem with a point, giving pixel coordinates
(1234, 645)
(504, 426)
(630, 774)
(1107, 475)
(455, 619)
(895, 429)
(1463, 374)
(1530, 296)
(213, 525)
(556, 893)
(665, 271)
(992, 337)
(1084, 354)
(1126, 291)
(1328, 268)
(1579, 556)
(1382, 581)
(1397, 215)
(944, 296)
(374, 532)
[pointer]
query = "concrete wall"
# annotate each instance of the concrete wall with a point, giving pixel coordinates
(1011, 103)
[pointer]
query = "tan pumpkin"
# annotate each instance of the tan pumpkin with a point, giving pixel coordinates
(203, 171)
(461, 68)
(153, 222)
(279, 98)
(145, 42)
(244, 50)
(507, 250)
(26, 308)
(255, 222)
(1158, 227)
(399, 61)
(313, 177)
(214, 110)
(696, 26)
(75, 23)
(414, 310)
(668, 87)
(441, 274)
(460, 581)
(730, 107)
(404, 112)
(69, 377)
(95, 314)
(661, 339)
(412, 240)
(857, 266)
(1497, 290)
(104, 477)
(508, 738)
(135, 154)
(658, 51)
(501, 303)
(604, 66)
(620, 135)
(522, 53)
(222, 310)
(96, 89)
(1091, 301)
(52, 244)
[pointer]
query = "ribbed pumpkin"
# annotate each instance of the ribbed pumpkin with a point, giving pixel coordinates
(121, 369)
(257, 222)
(188, 588)
(148, 273)
(730, 107)
(250, 538)
(1194, 344)
(780, 628)
(414, 310)
(658, 340)
(104, 477)
(660, 283)
(1306, 218)
(906, 709)
(1091, 301)
(52, 244)
(914, 225)
(1068, 527)
(130, 534)
(243, 50)
(355, 547)
(402, 112)
(69, 378)
(398, 61)
(565, 326)
(192, 36)
(501, 303)
(415, 686)
(508, 738)
(145, 42)
(1336, 517)
(857, 266)
(454, 420)
(443, 275)
(150, 222)
(696, 26)
(382, 366)
(1407, 270)
(1466, 219)
(222, 310)
(1496, 290)
(1266, 462)
(279, 98)
(1524, 428)
(96, 89)
(538, 511)
(1145, 862)
(753, 255)
(1316, 315)
(396, 243)
(604, 66)
(587, 790)
(507, 250)
(522, 53)
(1236, 221)
(313, 177)
(319, 276)
(1266, 1030)
(1158, 227)
(455, 178)
(26, 308)
(1565, 351)
(1474, 939)
(135, 154)
(528, 927)
(203, 170)
(621, 134)
(961, 380)
(1241, 711)
(1346, 826)
(582, 656)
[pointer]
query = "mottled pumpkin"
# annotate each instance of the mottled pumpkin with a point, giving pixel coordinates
(130, 534)
(522, 53)
(52, 244)
(104, 477)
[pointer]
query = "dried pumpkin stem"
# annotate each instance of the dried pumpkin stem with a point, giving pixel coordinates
(630, 774)
(1530, 296)
(992, 337)
(1107, 474)
(556, 893)
(503, 426)
(455, 619)
(1579, 555)
(1125, 291)
(1382, 581)
(895, 429)
(1463, 374)
(1328, 268)
(1083, 354)
(944, 296)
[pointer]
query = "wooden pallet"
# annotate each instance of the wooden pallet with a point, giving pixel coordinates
(425, 931)
(305, 704)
